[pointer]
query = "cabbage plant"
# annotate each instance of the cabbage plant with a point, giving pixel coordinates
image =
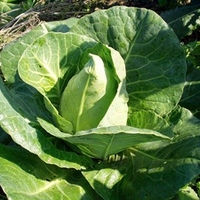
(91, 107)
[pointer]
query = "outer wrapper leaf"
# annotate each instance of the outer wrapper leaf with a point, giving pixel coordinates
(165, 168)
(105, 141)
(183, 123)
(50, 61)
(10, 63)
(23, 132)
(24, 176)
(48, 64)
(150, 120)
(141, 173)
(166, 176)
(154, 58)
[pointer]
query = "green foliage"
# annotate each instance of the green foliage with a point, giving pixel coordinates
(168, 4)
(191, 94)
(42, 181)
(26, 5)
(183, 20)
(94, 105)
(9, 9)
